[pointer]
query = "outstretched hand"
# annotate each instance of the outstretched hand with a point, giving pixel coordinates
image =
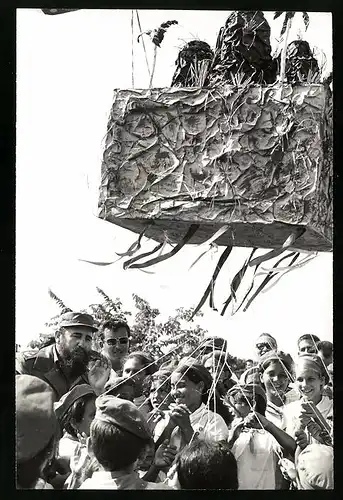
(164, 455)
(98, 374)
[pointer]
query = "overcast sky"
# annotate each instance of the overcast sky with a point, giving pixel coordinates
(67, 68)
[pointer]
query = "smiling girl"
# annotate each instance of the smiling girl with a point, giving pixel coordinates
(275, 374)
(299, 420)
(191, 415)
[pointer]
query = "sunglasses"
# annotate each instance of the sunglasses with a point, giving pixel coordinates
(120, 341)
(261, 346)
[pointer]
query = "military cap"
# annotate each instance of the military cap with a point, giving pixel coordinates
(68, 399)
(123, 414)
(36, 422)
(77, 319)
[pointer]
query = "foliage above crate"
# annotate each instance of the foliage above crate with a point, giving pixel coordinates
(258, 158)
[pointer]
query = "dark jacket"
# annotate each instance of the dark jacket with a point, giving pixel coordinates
(45, 365)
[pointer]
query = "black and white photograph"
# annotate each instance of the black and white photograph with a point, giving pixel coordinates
(174, 250)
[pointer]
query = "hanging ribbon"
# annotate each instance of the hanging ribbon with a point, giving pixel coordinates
(135, 246)
(128, 263)
(209, 289)
(278, 251)
(267, 279)
(236, 282)
(191, 231)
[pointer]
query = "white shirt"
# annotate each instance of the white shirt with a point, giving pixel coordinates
(256, 460)
(208, 424)
(106, 480)
(291, 412)
(274, 414)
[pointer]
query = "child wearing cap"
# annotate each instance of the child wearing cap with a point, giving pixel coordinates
(119, 436)
(36, 431)
(308, 420)
(256, 443)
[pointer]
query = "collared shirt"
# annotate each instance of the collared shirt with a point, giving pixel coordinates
(290, 421)
(256, 453)
(274, 413)
(207, 425)
(106, 480)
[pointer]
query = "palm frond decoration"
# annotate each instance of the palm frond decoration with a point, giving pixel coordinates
(157, 37)
(59, 302)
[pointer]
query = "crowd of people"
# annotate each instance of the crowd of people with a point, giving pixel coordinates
(117, 419)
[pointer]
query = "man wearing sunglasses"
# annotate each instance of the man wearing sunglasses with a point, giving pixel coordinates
(114, 336)
(264, 343)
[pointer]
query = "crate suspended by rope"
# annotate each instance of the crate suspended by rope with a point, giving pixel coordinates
(258, 158)
(246, 166)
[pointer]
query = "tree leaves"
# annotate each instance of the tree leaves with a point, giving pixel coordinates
(59, 302)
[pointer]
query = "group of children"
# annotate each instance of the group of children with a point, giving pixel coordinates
(181, 425)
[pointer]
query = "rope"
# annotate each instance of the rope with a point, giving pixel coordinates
(132, 53)
(145, 53)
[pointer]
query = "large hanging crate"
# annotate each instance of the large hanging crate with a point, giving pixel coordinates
(258, 158)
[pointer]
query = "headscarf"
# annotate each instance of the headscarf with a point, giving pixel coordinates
(249, 390)
(313, 362)
(275, 355)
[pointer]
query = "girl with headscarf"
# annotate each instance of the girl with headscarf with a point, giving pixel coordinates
(309, 420)
(256, 443)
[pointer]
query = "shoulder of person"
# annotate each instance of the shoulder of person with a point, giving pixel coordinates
(35, 360)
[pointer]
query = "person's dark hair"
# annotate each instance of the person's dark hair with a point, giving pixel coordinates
(207, 465)
(215, 404)
(75, 414)
(113, 325)
(256, 401)
(249, 360)
(28, 472)
(308, 336)
(220, 358)
(115, 448)
(326, 347)
(145, 360)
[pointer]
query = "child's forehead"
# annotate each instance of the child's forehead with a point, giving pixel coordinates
(274, 364)
(306, 371)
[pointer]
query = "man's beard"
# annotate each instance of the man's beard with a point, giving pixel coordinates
(76, 361)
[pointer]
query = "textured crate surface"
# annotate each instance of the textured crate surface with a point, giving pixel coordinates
(256, 157)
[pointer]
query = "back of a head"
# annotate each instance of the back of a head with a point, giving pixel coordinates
(207, 465)
(36, 428)
(119, 433)
(315, 467)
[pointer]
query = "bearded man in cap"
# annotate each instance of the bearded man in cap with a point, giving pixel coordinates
(63, 364)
